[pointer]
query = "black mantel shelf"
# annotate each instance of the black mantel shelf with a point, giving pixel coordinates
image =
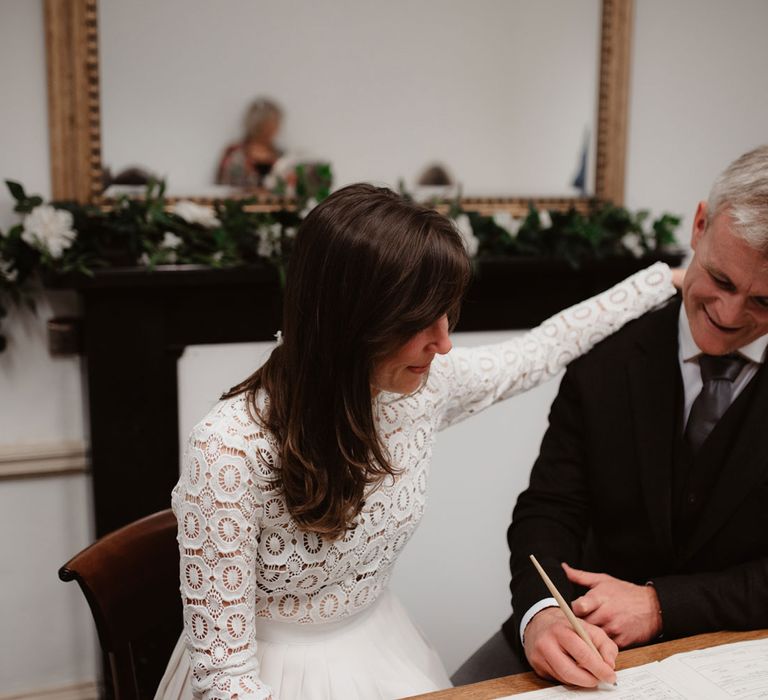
(137, 323)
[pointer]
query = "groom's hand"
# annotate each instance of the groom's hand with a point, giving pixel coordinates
(555, 651)
(629, 614)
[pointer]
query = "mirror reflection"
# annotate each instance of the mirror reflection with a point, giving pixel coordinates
(497, 97)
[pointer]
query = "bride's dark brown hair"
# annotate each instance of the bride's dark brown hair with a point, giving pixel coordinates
(369, 270)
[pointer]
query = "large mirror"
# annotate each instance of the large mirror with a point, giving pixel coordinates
(513, 98)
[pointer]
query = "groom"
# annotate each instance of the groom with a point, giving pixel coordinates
(648, 504)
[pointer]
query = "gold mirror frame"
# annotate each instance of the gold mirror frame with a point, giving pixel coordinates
(74, 114)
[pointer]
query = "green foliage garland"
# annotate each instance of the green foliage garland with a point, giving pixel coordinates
(607, 231)
(66, 237)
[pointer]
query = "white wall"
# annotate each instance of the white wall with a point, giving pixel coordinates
(47, 635)
(698, 98)
(697, 102)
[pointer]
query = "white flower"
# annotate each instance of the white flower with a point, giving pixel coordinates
(509, 223)
(648, 233)
(6, 272)
(266, 247)
(49, 229)
(170, 241)
(196, 214)
(290, 232)
(545, 220)
(144, 260)
(283, 175)
(310, 205)
(632, 242)
(270, 181)
(464, 226)
(217, 256)
(269, 240)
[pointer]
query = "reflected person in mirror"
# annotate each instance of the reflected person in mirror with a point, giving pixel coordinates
(647, 504)
(301, 487)
(246, 163)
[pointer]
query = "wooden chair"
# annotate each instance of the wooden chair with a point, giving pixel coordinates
(130, 578)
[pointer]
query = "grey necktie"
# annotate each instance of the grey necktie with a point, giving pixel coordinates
(717, 375)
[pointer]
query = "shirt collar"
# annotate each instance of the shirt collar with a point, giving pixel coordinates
(754, 351)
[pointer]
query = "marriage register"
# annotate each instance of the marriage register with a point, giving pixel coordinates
(729, 672)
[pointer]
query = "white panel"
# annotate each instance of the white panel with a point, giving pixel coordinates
(207, 371)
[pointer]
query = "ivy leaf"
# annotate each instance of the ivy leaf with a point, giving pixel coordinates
(16, 190)
(664, 229)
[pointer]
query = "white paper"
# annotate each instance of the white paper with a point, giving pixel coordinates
(736, 671)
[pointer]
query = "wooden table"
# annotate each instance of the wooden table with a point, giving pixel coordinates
(522, 682)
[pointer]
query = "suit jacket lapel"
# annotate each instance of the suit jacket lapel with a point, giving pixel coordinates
(654, 379)
(744, 467)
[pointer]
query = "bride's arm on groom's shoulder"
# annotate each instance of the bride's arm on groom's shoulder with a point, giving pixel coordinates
(469, 380)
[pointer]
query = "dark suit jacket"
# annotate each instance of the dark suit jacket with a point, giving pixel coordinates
(601, 495)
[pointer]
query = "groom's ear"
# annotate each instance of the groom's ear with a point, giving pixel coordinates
(700, 223)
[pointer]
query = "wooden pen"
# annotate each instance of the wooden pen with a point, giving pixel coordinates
(575, 622)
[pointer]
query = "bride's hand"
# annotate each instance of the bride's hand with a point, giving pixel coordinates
(678, 275)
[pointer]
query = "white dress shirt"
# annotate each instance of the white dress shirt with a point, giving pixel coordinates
(689, 353)
(688, 356)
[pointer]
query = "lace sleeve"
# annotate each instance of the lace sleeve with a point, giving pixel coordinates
(217, 506)
(471, 379)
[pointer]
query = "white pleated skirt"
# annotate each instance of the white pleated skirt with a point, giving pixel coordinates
(377, 654)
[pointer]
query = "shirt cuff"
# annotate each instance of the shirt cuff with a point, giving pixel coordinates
(535, 608)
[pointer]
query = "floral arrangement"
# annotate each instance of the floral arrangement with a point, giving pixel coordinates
(65, 237)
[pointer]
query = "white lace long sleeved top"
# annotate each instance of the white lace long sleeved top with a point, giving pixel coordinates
(242, 555)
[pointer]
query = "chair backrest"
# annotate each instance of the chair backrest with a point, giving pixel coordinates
(130, 578)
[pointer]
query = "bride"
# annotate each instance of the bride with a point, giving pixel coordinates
(303, 484)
